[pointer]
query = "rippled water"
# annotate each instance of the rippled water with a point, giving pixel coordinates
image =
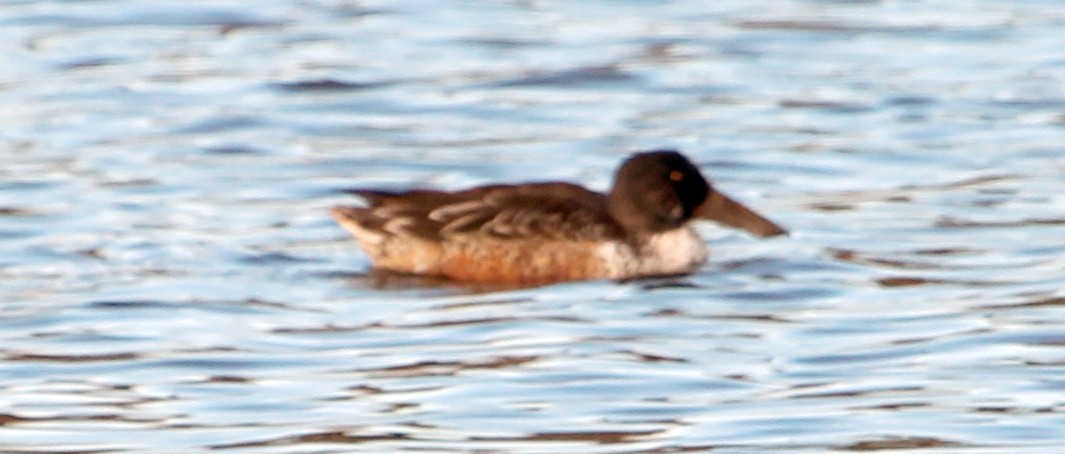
(170, 280)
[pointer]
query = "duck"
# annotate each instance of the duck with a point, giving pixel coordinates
(539, 233)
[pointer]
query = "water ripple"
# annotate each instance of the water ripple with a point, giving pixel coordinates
(169, 268)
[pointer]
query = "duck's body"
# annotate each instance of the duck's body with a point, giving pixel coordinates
(537, 233)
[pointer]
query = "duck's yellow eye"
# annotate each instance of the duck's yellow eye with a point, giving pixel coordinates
(676, 175)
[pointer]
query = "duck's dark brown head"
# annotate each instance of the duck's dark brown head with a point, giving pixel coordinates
(660, 190)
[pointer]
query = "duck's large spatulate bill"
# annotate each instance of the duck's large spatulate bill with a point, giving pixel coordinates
(719, 207)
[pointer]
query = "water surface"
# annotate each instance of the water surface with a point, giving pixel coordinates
(170, 280)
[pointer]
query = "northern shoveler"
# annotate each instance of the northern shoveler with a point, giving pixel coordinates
(536, 233)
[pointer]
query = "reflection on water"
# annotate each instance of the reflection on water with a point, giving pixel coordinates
(171, 279)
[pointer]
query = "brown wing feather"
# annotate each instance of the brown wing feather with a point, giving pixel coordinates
(550, 211)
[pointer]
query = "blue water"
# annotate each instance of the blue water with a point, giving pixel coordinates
(170, 280)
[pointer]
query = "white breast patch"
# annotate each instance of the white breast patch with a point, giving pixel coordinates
(676, 251)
